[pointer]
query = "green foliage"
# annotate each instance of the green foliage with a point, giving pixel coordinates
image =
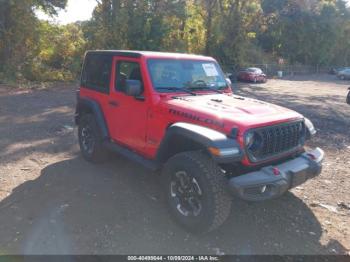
(60, 50)
(306, 32)
(236, 32)
(19, 33)
(136, 24)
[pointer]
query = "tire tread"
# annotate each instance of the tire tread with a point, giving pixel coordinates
(217, 184)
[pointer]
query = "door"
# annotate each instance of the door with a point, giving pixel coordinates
(127, 116)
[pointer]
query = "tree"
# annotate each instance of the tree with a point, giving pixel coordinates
(18, 30)
(306, 32)
(236, 32)
(61, 49)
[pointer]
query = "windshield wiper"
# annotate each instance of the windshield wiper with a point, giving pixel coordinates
(204, 88)
(173, 88)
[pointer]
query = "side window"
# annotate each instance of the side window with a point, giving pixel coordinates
(126, 71)
(97, 72)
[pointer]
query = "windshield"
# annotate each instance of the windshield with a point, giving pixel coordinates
(169, 75)
(255, 70)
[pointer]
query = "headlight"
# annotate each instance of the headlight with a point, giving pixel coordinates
(311, 131)
(249, 139)
(253, 141)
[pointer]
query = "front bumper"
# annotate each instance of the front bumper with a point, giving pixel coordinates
(259, 78)
(272, 181)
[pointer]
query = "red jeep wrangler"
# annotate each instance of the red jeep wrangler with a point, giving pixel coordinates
(176, 113)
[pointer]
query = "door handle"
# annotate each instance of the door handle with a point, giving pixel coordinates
(113, 103)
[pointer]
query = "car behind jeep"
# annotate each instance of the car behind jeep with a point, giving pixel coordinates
(176, 114)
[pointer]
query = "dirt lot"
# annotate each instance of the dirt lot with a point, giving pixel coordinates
(53, 202)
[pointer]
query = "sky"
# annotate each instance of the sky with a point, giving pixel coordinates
(77, 10)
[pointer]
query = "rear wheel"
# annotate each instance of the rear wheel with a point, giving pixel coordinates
(196, 192)
(90, 140)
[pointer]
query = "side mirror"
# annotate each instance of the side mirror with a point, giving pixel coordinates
(348, 97)
(133, 88)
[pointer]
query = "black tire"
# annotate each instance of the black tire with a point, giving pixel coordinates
(215, 200)
(91, 147)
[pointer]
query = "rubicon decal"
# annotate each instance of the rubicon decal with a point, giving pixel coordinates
(197, 118)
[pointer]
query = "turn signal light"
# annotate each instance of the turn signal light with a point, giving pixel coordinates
(214, 151)
(224, 151)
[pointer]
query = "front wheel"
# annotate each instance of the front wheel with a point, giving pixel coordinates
(196, 192)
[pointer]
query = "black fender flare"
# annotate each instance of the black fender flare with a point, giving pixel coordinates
(181, 137)
(86, 105)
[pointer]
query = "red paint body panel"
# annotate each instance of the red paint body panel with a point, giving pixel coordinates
(141, 125)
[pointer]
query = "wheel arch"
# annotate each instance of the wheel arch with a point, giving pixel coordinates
(89, 106)
(182, 137)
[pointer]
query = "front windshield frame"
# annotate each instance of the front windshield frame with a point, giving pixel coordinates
(185, 86)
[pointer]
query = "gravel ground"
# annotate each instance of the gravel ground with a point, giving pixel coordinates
(53, 202)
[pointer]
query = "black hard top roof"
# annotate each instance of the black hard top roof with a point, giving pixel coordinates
(137, 54)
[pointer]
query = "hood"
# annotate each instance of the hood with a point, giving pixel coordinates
(237, 110)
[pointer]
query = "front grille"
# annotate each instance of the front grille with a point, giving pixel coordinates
(277, 140)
